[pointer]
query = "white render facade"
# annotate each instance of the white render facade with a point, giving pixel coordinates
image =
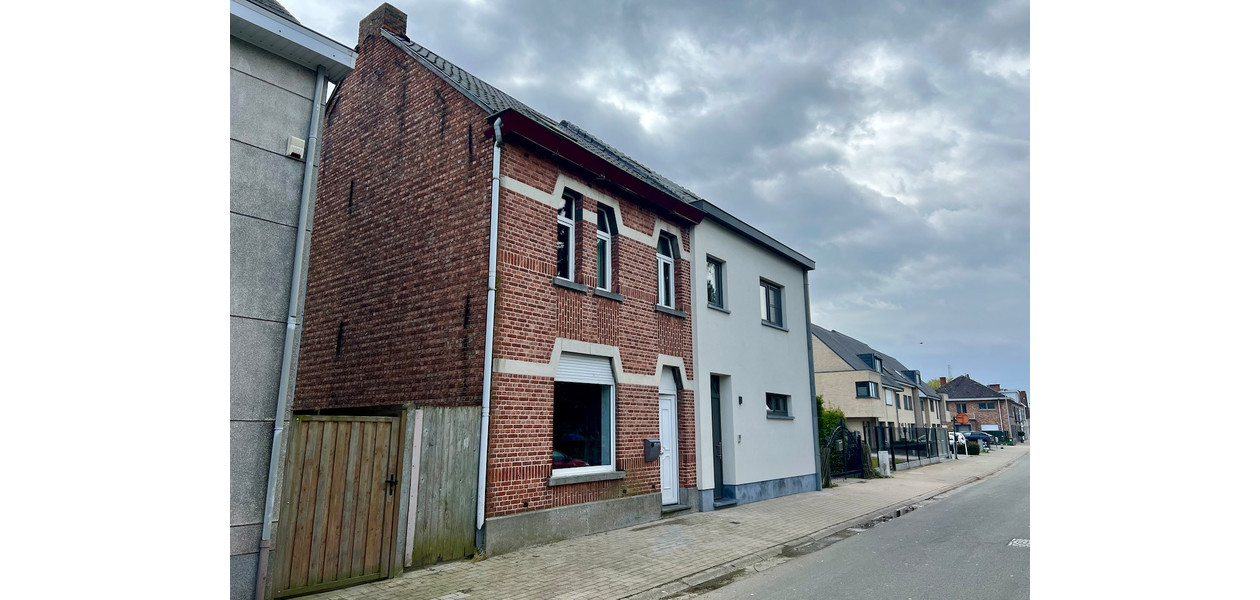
(755, 409)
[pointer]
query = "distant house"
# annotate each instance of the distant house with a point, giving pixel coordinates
(881, 398)
(755, 407)
(279, 73)
(1017, 409)
(987, 407)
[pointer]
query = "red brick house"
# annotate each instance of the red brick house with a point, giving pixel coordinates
(984, 407)
(440, 196)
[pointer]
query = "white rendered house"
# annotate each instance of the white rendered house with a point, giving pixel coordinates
(755, 409)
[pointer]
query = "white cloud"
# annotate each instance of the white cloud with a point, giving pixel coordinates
(1011, 66)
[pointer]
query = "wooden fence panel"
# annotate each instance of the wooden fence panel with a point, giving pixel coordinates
(338, 517)
(446, 505)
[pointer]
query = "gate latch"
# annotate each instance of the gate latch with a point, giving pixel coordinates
(391, 482)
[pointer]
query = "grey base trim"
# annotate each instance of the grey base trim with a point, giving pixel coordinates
(761, 490)
(513, 532)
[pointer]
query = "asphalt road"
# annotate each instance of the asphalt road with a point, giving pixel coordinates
(955, 547)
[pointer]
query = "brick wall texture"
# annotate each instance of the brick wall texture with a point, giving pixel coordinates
(396, 298)
(1000, 417)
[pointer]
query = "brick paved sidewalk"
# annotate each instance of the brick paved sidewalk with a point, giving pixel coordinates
(674, 554)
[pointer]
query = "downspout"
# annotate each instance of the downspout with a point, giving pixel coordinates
(293, 328)
(813, 394)
(484, 456)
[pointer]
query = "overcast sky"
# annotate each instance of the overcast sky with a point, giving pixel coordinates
(887, 141)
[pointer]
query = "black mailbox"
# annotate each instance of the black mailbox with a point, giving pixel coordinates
(651, 449)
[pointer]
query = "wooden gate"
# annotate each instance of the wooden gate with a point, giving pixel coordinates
(340, 503)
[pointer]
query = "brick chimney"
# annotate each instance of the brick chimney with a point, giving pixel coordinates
(997, 387)
(943, 382)
(384, 17)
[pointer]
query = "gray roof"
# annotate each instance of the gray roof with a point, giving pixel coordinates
(924, 389)
(844, 346)
(275, 7)
(966, 388)
(851, 351)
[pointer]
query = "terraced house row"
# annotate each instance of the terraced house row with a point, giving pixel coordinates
(511, 332)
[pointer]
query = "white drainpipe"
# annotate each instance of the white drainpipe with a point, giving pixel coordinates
(293, 330)
(484, 456)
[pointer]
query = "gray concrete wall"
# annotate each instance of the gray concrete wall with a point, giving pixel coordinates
(270, 101)
(513, 532)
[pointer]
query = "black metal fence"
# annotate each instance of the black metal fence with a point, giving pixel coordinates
(907, 442)
(842, 456)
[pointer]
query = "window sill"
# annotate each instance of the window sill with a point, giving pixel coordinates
(719, 308)
(609, 295)
(670, 311)
(572, 285)
(780, 417)
(555, 480)
(773, 326)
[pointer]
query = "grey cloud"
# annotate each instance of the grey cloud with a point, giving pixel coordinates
(757, 85)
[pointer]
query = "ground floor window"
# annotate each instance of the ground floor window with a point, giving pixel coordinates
(776, 405)
(582, 421)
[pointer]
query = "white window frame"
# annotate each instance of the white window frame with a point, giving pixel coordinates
(665, 264)
(573, 203)
(888, 397)
(766, 286)
(603, 257)
(608, 391)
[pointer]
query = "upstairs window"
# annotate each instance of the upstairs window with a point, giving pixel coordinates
(988, 406)
(960, 408)
(771, 303)
(715, 280)
(665, 255)
(564, 235)
(867, 389)
(607, 226)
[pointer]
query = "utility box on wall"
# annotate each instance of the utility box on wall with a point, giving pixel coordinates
(651, 449)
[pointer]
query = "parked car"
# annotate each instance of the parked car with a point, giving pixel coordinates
(980, 436)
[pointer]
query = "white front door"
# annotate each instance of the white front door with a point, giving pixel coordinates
(669, 449)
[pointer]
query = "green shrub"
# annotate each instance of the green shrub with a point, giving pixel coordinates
(828, 420)
(960, 448)
(973, 448)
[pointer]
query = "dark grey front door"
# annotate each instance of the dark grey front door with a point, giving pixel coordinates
(715, 392)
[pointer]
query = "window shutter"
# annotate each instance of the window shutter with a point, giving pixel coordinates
(583, 368)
